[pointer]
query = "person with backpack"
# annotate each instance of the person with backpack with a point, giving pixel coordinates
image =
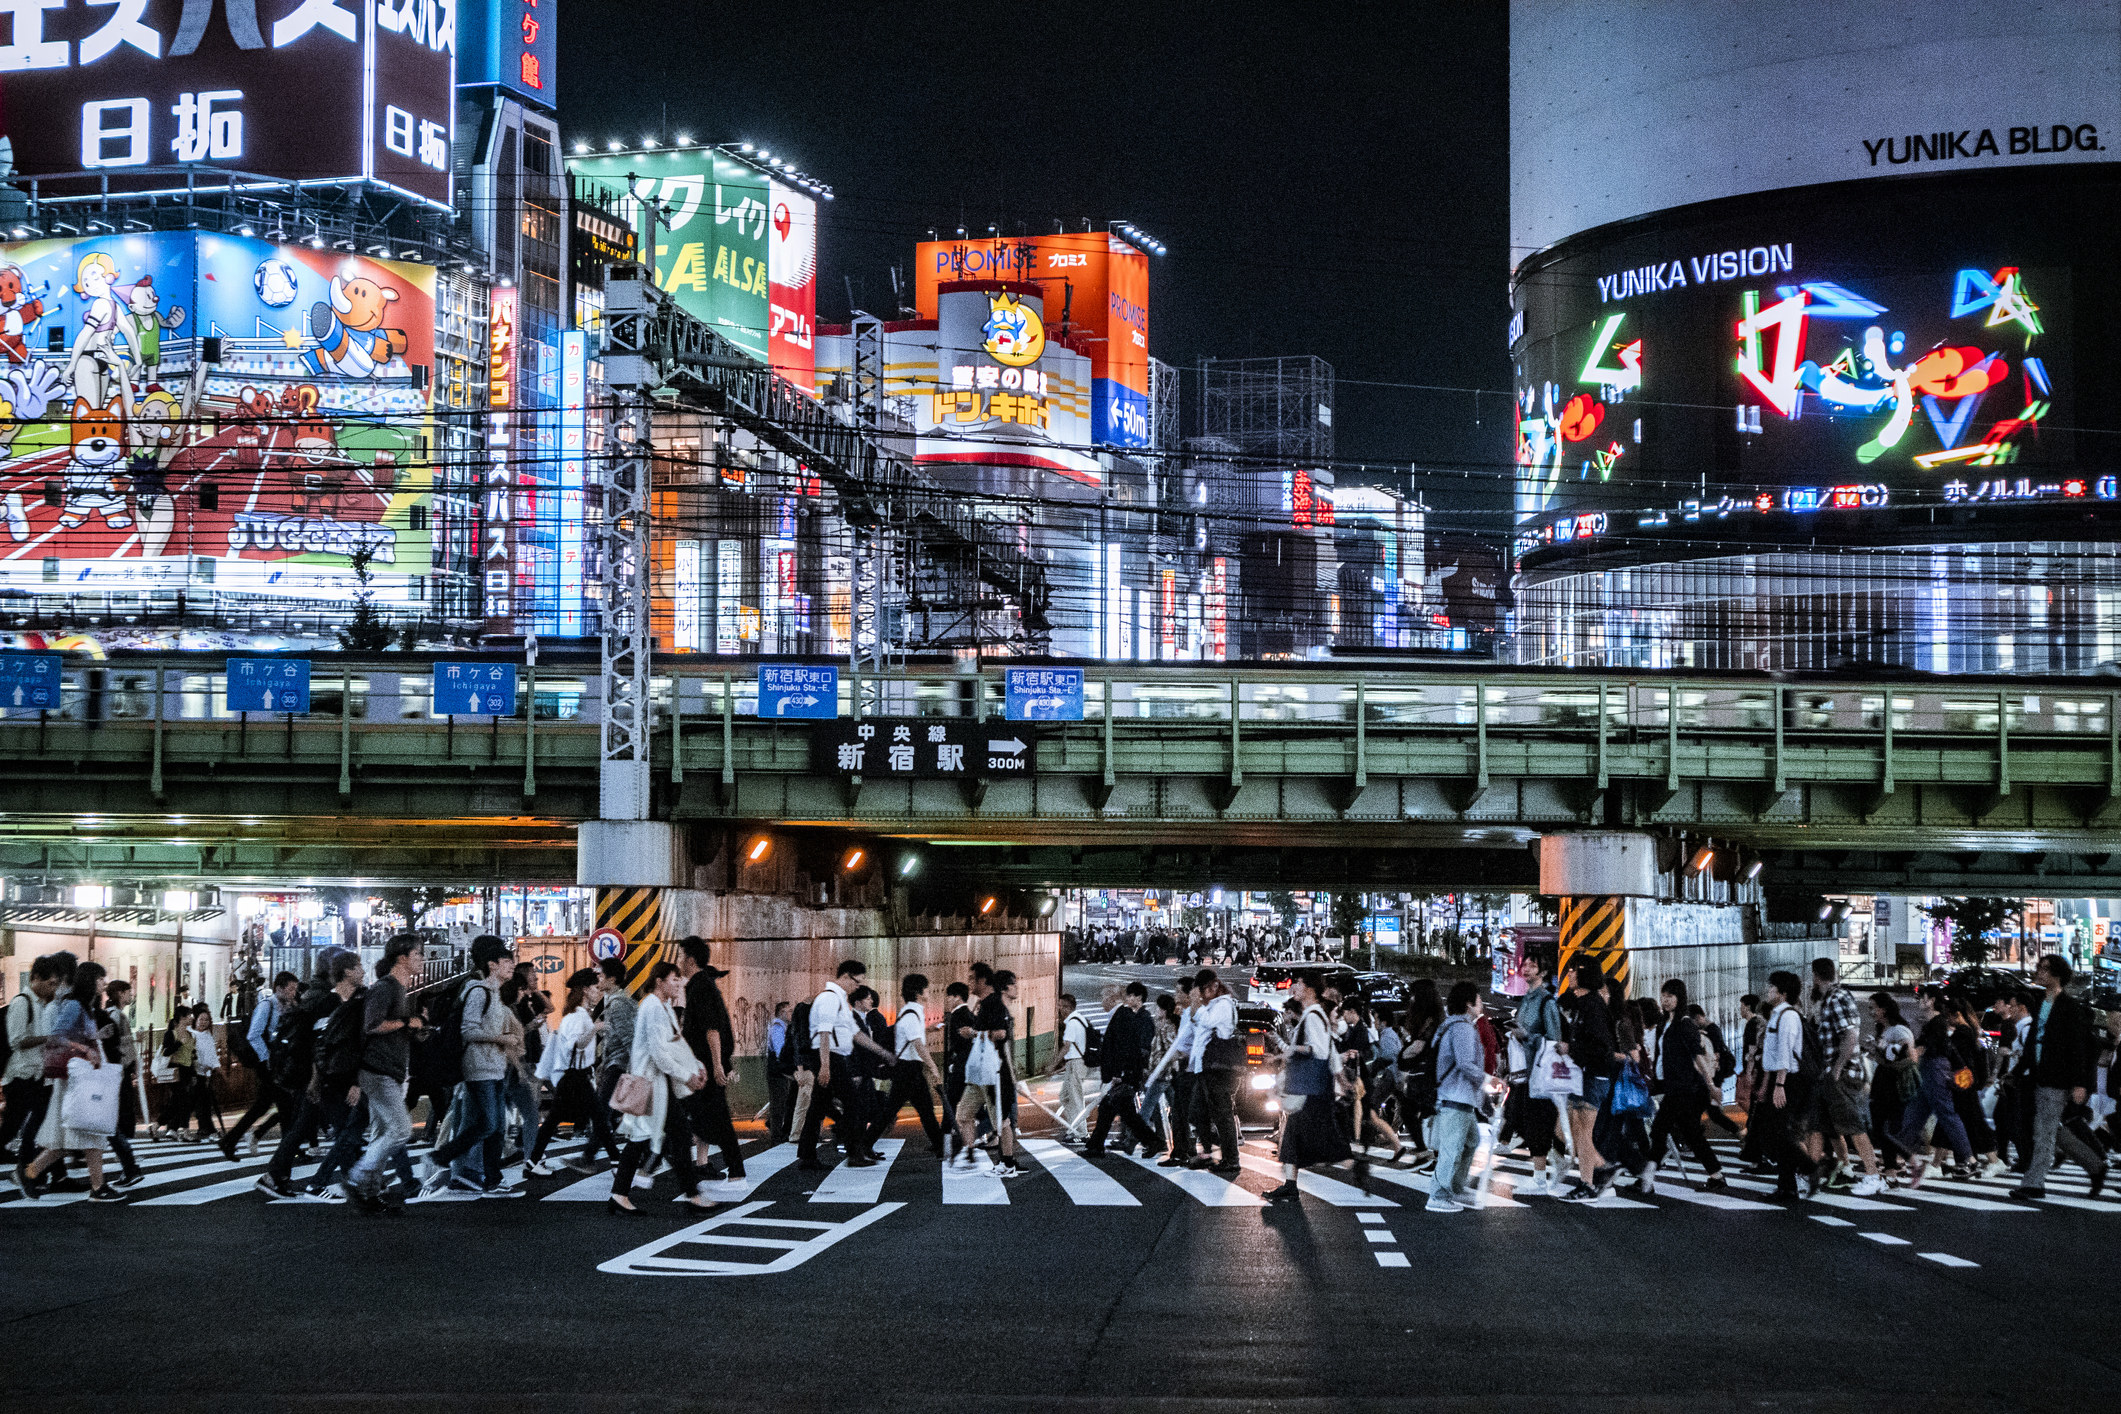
(1684, 1071)
(1726, 1067)
(1462, 1084)
(482, 1024)
(73, 1033)
(1839, 1109)
(295, 1070)
(386, 1063)
(254, 1053)
(28, 1025)
(1073, 1062)
(336, 1082)
(913, 1071)
(1935, 1065)
(957, 1027)
(1783, 1083)
(802, 1054)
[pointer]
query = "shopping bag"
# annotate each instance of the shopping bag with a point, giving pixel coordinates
(633, 1095)
(1631, 1093)
(1554, 1076)
(91, 1103)
(983, 1063)
(1307, 1075)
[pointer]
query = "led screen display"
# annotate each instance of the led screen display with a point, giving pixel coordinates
(1786, 355)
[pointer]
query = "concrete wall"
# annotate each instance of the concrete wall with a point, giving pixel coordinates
(1716, 951)
(777, 949)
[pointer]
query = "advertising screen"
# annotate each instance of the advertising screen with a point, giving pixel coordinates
(512, 43)
(791, 282)
(1096, 292)
(1799, 358)
(1004, 394)
(711, 244)
(106, 88)
(126, 463)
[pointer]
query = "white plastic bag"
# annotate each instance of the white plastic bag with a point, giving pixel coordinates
(1554, 1076)
(983, 1063)
(91, 1103)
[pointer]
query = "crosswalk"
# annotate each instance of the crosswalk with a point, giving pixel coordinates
(1057, 1174)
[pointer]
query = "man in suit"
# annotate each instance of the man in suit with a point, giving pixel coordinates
(1124, 1064)
(2059, 1059)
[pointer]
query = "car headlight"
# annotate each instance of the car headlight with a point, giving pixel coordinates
(1263, 1082)
(1273, 1105)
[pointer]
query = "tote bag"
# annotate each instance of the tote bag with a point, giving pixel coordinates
(1307, 1075)
(633, 1095)
(983, 1064)
(1554, 1075)
(91, 1103)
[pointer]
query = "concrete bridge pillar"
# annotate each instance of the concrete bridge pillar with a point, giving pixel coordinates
(1594, 873)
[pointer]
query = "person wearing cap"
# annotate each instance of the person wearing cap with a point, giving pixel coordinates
(484, 1026)
(570, 1063)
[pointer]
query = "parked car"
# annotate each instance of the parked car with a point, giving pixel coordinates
(1271, 981)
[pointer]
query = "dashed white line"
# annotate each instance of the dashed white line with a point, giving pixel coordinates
(1378, 1235)
(1946, 1259)
(1393, 1259)
(1831, 1221)
(1884, 1239)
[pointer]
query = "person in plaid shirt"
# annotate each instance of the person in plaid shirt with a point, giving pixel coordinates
(1840, 1102)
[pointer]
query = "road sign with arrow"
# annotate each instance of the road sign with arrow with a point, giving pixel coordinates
(1044, 694)
(475, 690)
(794, 690)
(29, 682)
(921, 748)
(268, 685)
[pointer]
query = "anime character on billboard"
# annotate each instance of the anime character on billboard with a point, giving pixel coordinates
(21, 306)
(98, 370)
(164, 423)
(144, 323)
(348, 328)
(98, 446)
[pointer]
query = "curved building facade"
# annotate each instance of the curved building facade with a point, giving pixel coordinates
(1809, 384)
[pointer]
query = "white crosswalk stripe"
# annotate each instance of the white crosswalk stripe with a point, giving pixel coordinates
(1211, 1189)
(846, 1184)
(1086, 1185)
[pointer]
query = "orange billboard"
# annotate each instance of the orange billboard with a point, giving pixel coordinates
(1096, 292)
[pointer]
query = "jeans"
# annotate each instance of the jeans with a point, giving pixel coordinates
(479, 1128)
(1152, 1104)
(1456, 1133)
(2048, 1103)
(522, 1096)
(390, 1126)
(1933, 1097)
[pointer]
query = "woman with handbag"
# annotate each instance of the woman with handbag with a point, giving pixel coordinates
(1309, 1135)
(174, 1071)
(662, 1072)
(1934, 1065)
(1973, 1069)
(84, 1107)
(569, 1063)
(1893, 1049)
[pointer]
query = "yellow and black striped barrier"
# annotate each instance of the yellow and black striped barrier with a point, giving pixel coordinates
(1596, 927)
(636, 915)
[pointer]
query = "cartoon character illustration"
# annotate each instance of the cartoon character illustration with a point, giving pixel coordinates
(97, 362)
(98, 446)
(163, 425)
(144, 324)
(20, 309)
(1014, 333)
(351, 339)
(26, 394)
(276, 283)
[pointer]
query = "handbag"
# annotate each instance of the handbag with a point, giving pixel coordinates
(91, 1102)
(983, 1063)
(1963, 1078)
(56, 1055)
(633, 1095)
(1631, 1094)
(1223, 1053)
(1307, 1075)
(163, 1071)
(1520, 1062)
(1554, 1076)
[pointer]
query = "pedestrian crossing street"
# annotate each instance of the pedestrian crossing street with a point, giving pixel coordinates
(1056, 1174)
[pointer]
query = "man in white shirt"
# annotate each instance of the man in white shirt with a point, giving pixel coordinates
(914, 1077)
(28, 1092)
(1781, 1056)
(1214, 1107)
(832, 1033)
(1179, 1059)
(1074, 1066)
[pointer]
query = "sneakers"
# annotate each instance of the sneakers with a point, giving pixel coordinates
(1578, 1193)
(1286, 1193)
(1646, 1181)
(128, 1180)
(105, 1194)
(1992, 1168)
(1441, 1203)
(2025, 1192)
(1602, 1178)
(501, 1190)
(963, 1163)
(1007, 1169)
(1716, 1183)
(1867, 1185)
(1537, 1186)
(538, 1168)
(322, 1194)
(273, 1187)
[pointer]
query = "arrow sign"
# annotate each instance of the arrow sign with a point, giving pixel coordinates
(474, 690)
(31, 680)
(1044, 694)
(267, 685)
(798, 690)
(1012, 746)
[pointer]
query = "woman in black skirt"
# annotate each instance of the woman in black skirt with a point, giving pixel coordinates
(1309, 1133)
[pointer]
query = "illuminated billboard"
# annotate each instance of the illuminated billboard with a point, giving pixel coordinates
(510, 43)
(711, 247)
(1002, 391)
(1095, 289)
(791, 282)
(298, 90)
(1786, 356)
(128, 464)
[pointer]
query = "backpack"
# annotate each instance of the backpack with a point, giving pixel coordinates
(798, 1047)
(345, 1038)
(1093, 1045)
(444, 1052)
(294, 1041)
(1726, 1063)
(1811, 1062)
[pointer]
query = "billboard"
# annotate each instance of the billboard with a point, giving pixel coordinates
(158, 84)
(1004, 393)
(1797, 353)
(1096, 295)
(711, 249)
(128, 464)
(1621, 110)
(511, 43)
(791, 284)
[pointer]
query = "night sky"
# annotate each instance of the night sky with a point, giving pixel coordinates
(1330, 180)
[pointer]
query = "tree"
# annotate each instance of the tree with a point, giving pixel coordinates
(1284, 905)
(367, 632)
(1349, 911)
(1972, 920)
(410, 902)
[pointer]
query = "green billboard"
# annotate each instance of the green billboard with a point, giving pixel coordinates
(711, 239)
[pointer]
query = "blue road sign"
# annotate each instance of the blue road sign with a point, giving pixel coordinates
(268, 685)
(29, 681)
(792, 690)
(1045, 694)
(475, 690)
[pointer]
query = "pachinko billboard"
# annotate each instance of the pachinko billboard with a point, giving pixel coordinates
(129, 462)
